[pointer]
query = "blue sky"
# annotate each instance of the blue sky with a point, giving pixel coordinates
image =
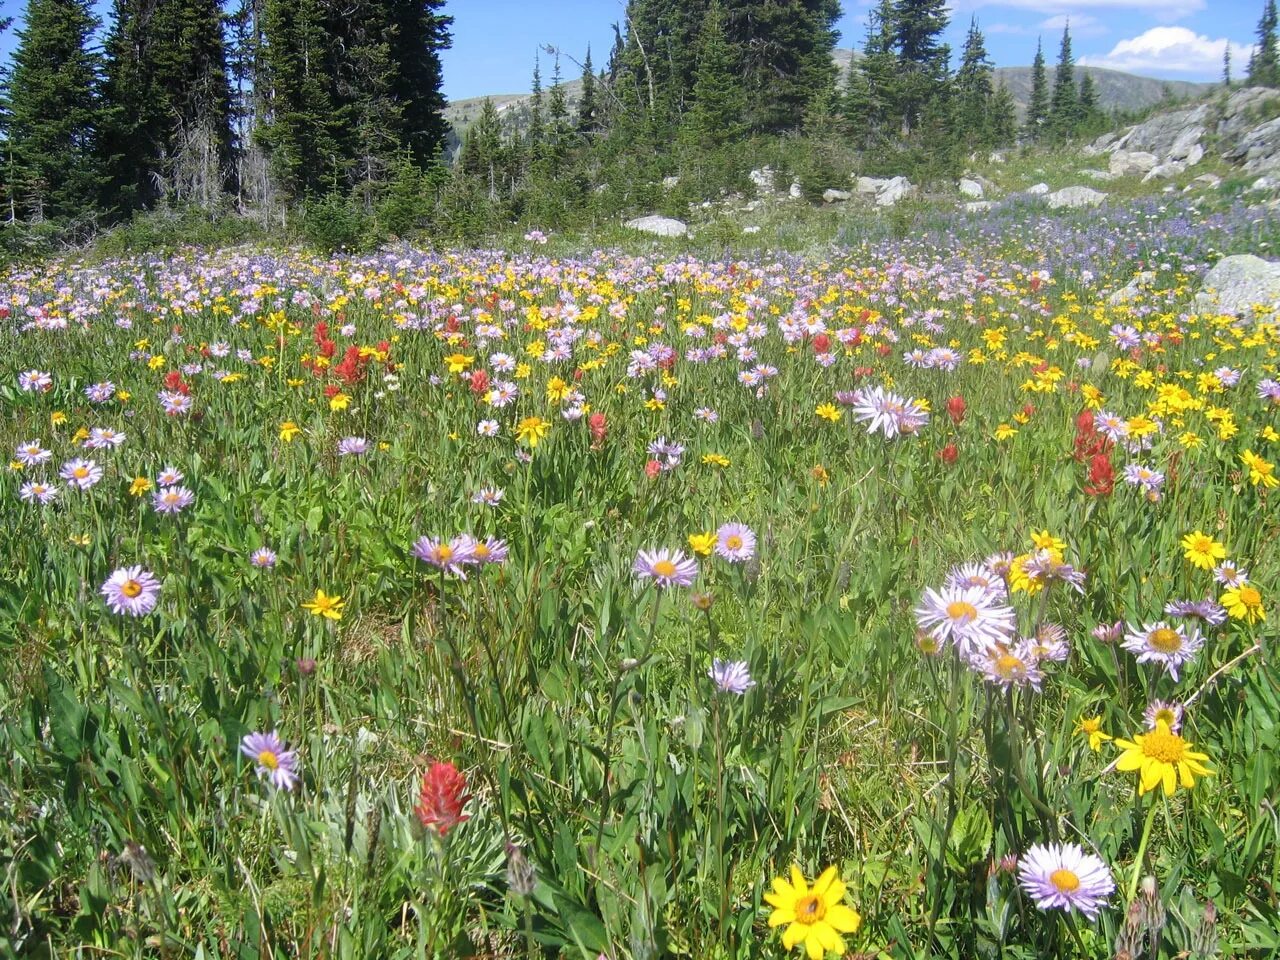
(495, 40)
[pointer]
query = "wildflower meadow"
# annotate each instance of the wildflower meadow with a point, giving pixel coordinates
(911, 599)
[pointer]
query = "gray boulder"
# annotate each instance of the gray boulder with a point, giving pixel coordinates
(869, 184)
(1259, 148)
(1126, 163)
(971, 189)
(977, 206)
(763, 179)
(893, 191)
(1170, 168)
(1158, 135)
(659, 226)
(1237, 284)
(1039, 190)
(1102, 176)
(835, 196)
(1072, 197)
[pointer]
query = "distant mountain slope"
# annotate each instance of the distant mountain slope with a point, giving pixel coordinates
(1116, 91)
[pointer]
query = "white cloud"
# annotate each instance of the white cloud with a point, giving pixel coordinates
(1166, 11)
(1172, 50)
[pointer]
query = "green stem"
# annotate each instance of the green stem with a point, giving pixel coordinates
(1142, 852)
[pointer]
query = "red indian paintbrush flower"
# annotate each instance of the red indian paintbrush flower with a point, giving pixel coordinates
(956, 408)
(441, 799)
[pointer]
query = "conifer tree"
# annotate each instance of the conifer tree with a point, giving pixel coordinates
(923, 60)
(417, 33)
(1264, 65)
(55, 119)
(1064, 114)
(1087, 100)
(880, 68)
(537, 125)
(1226, 64)
(482, 147)
(1037, 118)
(856, 101)
(974, 89)
(1004, 117)
(169, 121)
(588, 109)
(715, 116)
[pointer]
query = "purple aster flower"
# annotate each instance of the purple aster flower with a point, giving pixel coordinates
(37, 492)
(353, 446)
(81, 474)
(1208, 610)
(447, 556)
(1007, 666)
(1269, 390)
(1064, 877)
(172, 499)
(666, 568)
(735, 542)
(970, 617)
(132, 590)
(100, 392)
(1109, 632)
(1043, 566)
(1167, 710)
(1229, 575)
(731, 676)
(35, 381)
(102, 437)
(264, 558)
(271, 759)
(1160, 643)
(169, 476)
(31, 453)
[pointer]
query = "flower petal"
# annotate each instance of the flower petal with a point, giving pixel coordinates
(794, 934)
(845, 919)
(820, 885)
(797, 881)
(782, 915)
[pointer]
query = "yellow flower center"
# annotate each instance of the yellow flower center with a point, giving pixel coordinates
(444, 552)
(962, 611)
(131, 588)
(1165, 715)
(1065, 880)
(1250, 597)
(733, 542)
(80, 472)
(664, 568)
(1201, 545)
(268, 759)
(481, 550)
(1164, 640)
(1164, 746)
(1009, 666)
(810, 909)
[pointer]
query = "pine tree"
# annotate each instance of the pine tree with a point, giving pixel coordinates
(923, 60)
(1226, 64)
(169, 123)
(418, 33)
(880, 67)
(1038, 106)
(1087, 100)
(537, 127)
(588, 110)
(715, 116)
(1004, 117)
(55, 118)
(1064, 112)
(482, 149)
(856, 100)
(974, 90)
(1264, 65)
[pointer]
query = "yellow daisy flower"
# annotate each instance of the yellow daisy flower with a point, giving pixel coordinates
(1202, 550)
(815, 917)
(325, 605)
(1161, 758)
(1244, 603)
(1092, 728)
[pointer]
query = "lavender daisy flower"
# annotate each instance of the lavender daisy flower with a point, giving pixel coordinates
(888, 413)
(489, 550)
(264, 558)
(977, 575)
(31, 453)
(1167, 710)
(1148, 480)
(969, 617)
(169, 477)
(1229, 575)
(1064, 877)
(1109, 632)
(175, 403)
(447, 556)
(81, 474)
(735, 542)
(1159, 643)
(666, 568)
(102, 437)
(1050, 643)
(489, 496)
(731, 676)
(172, 499)
(100, 392)
(1269, 390)
(271, 759)
(1006, 666)
(1042, 566)
(353, 447)
(35, 381)
(132, 590)
(37, 492)
(1208, 610)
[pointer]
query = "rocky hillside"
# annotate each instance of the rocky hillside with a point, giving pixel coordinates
(1116, 92)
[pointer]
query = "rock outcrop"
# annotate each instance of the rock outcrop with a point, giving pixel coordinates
(1070, 197)
(659, 226)
(1240, 284)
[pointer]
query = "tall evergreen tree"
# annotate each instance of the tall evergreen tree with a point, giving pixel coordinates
(482, 149)
(1087, 101)
(588, 119)
(974, 89)
(715, 116)
(1226, 64)
(419, 34)
(55, 115)
(1004, 117)
(880, 67)
(923, 59)
(1037, 118)
(537, 124)
(1064, 113)
(169, 123)
(1264, 65)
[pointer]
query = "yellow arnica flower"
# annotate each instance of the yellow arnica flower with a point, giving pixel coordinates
(139, 486)
(829, 411)
(1202, 550)
(1004, 432)
(289, 430)
(1161, 758)
(715, 460)
(815, 917)
(532, 430)
(1091, 727)
(324, 605)
(1244, 603)
(702, 543)
(339, 401)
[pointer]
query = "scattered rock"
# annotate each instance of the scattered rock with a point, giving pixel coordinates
(795, 192)
(893, 191)
(869, 184)
(1070, 197)
(1127, 163)
(1237, 284)
(1259, 148)
(1134, 288)
(670, 183)
(1100, 175)
(977, 206)
(659, 226)
(763, 179)
(1208, 180)
(751, 229)
(1039, 190)
(836, 196)
(996, 158)
(971, 188)
(1264, 184)
(1164, 171)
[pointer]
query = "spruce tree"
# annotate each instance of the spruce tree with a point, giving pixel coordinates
(1087, 101)
(1264, 65)
(1037, 118)
(1064, 112)
(417, 33)
(974, 90)
(1004, 117)
(1226, 64)
(481, 153)
(55, 118)
(537, 126)
(880, 67)
(923, 59)
(715, 116)
(588, 109)
(856, 101)
(169, 121)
